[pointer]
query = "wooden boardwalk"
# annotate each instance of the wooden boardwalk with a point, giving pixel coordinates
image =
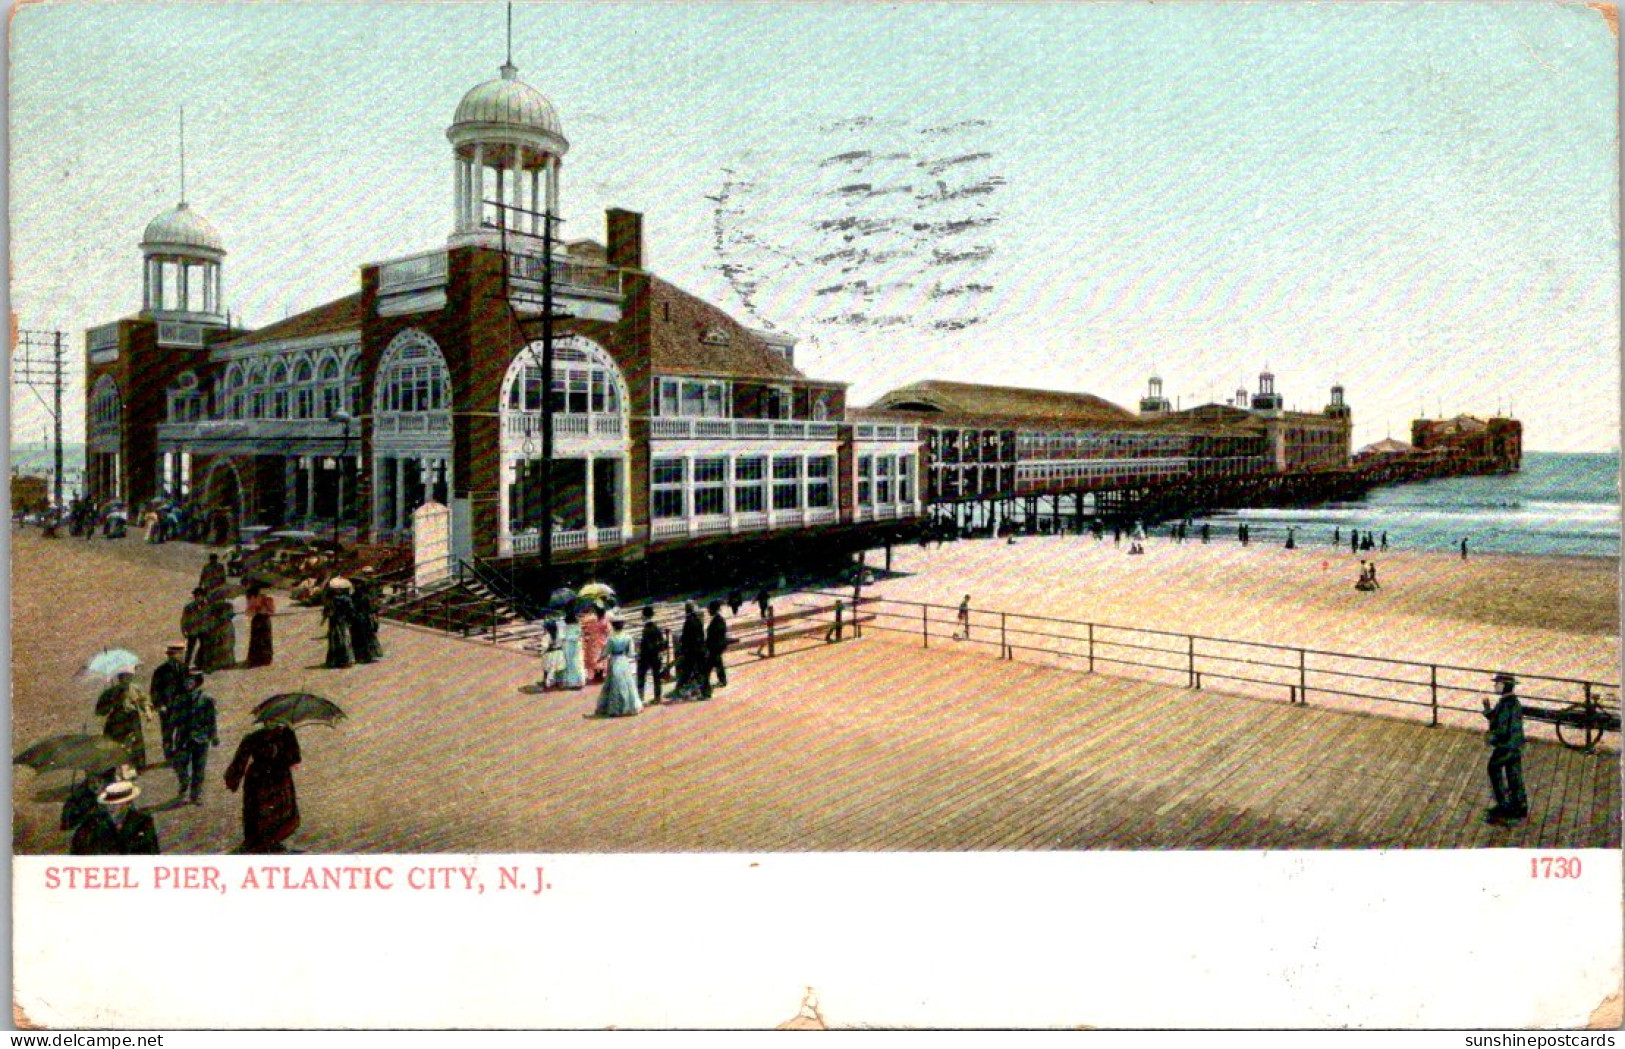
(862, 745)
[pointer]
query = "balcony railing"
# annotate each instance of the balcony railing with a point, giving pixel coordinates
(739, 524)
(529, 424)
(886, 432)
(564, 539)
(104, 337)
(680, 429)
(568, 275)
(427, 270)
(186, 336)
(412, 422)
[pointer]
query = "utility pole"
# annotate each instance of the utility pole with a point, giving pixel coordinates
(37, 363)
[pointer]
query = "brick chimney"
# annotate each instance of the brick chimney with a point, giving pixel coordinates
(624, 231)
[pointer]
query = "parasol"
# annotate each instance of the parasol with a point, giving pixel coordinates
(80, 752)
(298, 708)
(110, 662)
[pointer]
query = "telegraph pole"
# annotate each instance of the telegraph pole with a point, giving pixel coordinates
(37, 363)
(56, 417)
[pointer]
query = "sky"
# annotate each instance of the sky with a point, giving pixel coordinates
(1418, 201)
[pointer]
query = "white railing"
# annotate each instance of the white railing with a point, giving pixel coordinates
(412, 422)
(104, 337)
(567, 274)
(711, 526)
(680, 429)
(171, 333)
(669, 527)
(824, 515)
(529, 424)
(608, 536)
(418, 271)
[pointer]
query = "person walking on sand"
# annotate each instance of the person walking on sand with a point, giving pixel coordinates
(1464, 548)
(764, 601)
(263, 767)
(619, 696)
(594, 636)
(196, 729)
(364, 624)
(835, 632)
(651, 651)
(690, 653)
(1383, 543)
(962, 619)
(340, 611)
(1505, 739)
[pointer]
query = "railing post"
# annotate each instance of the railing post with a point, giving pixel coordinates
(1433, 689)
(770, 648)
(925, 626)
(1091, 648)
(1303, 677)
(1004, 639)
(1190, 640)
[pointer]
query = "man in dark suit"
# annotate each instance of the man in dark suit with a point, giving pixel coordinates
(651, 647)
(168, 685)
(195, 730)
(690, 653)
(117, 827)
(1505, 738)
(716, 643)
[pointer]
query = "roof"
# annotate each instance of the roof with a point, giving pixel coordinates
(339, 315)
(689, 336)
(1387, 446)
(509, 102)
(1008, 401)
(184, 229)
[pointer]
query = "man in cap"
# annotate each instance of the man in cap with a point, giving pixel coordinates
(1505, 739)
(117, 827)
(192, 721)
(195, 623)
(168, 684)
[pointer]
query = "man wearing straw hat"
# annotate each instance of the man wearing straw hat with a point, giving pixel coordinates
(117, 827)
(1505, 738)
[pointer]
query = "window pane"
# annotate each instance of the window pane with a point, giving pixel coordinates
(786, 468)
(748, 500)
(668, 471)
(710, 471)
(749, 469)
(786, 496)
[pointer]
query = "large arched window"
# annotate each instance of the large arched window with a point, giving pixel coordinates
(256, 391)
(413, 376)
(331, 387)
(105, 408)
(232, 401)
(304, 389)
(586, 380)
(279, 390)
(352, 382)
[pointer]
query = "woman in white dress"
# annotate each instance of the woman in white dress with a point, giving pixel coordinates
(619, 696)
(574, 674)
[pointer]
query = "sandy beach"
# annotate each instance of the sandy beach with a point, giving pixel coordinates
(1539, 615)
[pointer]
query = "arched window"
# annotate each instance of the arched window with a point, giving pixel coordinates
(256, 391)
(304, 389)
(413, 376)
(586, 380)
(820, 408)
(105, 408)
(233, 400)
(352, 382)
(279, 391)
(328, 380)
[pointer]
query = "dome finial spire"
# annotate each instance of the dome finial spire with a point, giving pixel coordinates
(183, 157)
(508, 68)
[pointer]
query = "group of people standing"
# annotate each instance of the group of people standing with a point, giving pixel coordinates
(350, 610)
(596, 647)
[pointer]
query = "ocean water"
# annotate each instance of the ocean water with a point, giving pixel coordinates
(1561, 503)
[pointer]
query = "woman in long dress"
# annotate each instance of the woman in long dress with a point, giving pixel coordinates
(594, 636)
(263, 767)
(619, 696)
(364, 625)
(218, 648)
(553, 657)
(126, 709)
(574, 674)
(261, 608)
(340, 612)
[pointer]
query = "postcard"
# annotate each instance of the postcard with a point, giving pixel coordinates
(560, 515)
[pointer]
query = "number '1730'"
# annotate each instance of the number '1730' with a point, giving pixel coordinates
(1554, 866)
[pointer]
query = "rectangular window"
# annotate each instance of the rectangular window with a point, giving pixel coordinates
(883, 464)
(786, 482)
(905, 478)
(820, 495)
(667, 487)
(710, 487)
(666, 394)
(693, 399)
(578, 393)
(865, 471)
(749, 477)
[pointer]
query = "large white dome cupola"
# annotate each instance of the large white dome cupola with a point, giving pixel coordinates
(507, 143)
(181, 254)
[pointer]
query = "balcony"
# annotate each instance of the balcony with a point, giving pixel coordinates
(256, 436)
(411, 423)
(665, 428)
(529, 424)
(529, 542)
(886, 432)
(740, 524)
(413, 273)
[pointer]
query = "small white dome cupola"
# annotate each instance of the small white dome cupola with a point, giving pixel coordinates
(1154, 403)
(507, 143)
(1266, 399)
(181, 254)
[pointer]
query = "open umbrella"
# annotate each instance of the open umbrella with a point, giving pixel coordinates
(561, 598)
(597, 592)
(80, 752)
(110, 662)
(298, 708)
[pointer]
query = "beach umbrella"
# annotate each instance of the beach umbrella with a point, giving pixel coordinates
(110, 662)
(597, 592)
(563, 597)
(80, 752)
(298, 708)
